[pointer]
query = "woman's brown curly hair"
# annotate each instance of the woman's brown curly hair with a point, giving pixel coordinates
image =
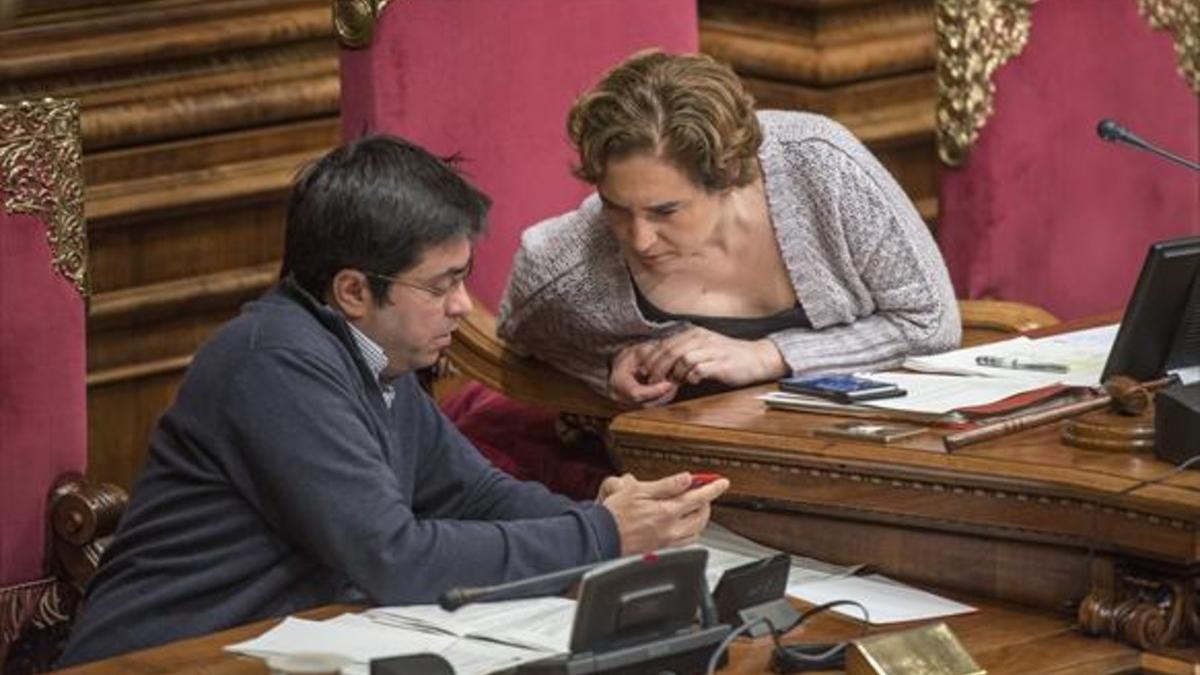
(686, 108)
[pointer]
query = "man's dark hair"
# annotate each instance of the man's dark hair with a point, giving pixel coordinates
(376, 205)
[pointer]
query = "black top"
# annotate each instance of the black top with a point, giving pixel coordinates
(736, 327)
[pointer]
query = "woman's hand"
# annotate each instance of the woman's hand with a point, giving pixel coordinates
(698, 354)
(628, 381)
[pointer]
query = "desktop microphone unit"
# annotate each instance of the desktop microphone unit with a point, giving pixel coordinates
(1113, 132)
(635, 615)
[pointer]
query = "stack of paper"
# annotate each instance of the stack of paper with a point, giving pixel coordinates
(537, 623)
(949, 384)
(476, 640)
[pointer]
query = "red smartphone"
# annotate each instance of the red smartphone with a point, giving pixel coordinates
(699, 479)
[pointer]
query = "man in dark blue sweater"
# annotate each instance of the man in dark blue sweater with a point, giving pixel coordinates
(302, 465)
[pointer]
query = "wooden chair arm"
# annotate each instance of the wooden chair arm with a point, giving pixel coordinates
(83, 518)
(478, 353)
(987, 320)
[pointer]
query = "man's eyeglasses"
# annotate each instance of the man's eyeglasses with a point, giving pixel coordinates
(438, 291)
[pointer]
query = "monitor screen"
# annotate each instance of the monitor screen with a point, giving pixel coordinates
(1160, 332)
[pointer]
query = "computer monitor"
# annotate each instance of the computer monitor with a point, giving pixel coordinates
(1160, 332)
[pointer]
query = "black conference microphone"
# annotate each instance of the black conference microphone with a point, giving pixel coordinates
(1113, 132)
(543, 584)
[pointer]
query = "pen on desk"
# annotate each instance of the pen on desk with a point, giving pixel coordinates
(1017, 364)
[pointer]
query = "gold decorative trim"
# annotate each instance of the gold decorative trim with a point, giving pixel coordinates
(1182, 19)
(40, 175)
(354, 21)
(974, 38)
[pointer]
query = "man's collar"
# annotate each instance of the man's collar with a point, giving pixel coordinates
(372, 353)
(336, 322)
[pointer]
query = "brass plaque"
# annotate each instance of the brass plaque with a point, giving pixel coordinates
(928, 650)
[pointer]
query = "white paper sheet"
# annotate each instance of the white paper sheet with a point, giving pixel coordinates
(361, 639)
(293, 636)
(537, 623)
(886, 600)
(1084, 353)
(941, 394)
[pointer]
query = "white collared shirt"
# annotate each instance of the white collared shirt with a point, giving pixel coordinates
(376, 360)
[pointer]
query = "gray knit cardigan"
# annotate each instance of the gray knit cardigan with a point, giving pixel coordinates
(861, 261)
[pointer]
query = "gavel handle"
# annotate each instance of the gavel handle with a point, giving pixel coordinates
(1036, 419)
(1023, 422)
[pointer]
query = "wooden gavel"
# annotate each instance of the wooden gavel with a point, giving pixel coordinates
(1124, 394)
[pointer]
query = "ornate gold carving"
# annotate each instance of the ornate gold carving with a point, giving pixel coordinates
(974, 38)
(40, 175)
(1182, 19)
(354, 21)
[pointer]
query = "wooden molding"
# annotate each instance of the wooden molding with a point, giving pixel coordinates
(856, 490)
(120, 204)
(820, 47)
(145, 304)
(137, 371)
(165, 69)
(135, 34)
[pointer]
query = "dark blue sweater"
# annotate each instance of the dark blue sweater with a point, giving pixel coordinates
(279, 481)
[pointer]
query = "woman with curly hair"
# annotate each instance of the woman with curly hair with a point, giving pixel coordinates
(723, 246)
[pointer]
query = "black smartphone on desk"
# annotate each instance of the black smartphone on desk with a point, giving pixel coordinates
(840, 388)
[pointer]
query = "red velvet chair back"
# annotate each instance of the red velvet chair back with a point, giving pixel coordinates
(43, 429)
(1045, 212)
(493, 81)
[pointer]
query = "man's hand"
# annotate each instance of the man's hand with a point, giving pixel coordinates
(629, 383)
(613, 484)
(698, 354)
(659, 514)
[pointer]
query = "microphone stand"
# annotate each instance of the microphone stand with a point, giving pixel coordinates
(1113, 132)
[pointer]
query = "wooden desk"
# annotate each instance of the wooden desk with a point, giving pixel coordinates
(1002, 639)
(1015, 518)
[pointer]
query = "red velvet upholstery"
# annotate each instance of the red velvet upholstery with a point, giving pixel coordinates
(1043, 211)
(522, 440)
(493, 81)
(43, 430)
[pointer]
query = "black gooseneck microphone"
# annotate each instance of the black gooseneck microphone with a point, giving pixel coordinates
(1113, 132)
(543, 584)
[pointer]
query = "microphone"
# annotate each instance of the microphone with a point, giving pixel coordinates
(543, 584)
(1113, 132)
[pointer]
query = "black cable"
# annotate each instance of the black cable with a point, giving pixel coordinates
(733, 634)
(801, 657)
(1162, 476)
(792, 654)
